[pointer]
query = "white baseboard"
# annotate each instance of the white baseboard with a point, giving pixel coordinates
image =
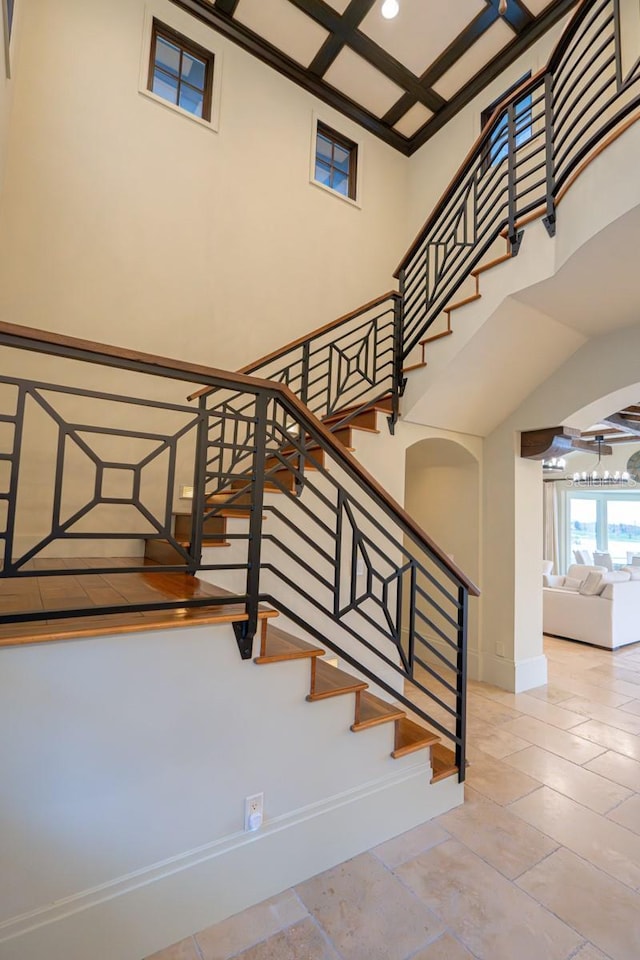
(515, 676)
(134, 916)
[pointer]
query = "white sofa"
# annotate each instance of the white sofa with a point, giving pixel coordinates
(608, 618)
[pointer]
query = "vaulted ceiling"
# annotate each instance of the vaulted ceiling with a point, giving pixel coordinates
(402, 79)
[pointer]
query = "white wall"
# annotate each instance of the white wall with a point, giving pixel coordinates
(125, 769)
(129, 223)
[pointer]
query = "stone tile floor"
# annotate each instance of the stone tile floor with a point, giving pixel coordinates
(541, 863)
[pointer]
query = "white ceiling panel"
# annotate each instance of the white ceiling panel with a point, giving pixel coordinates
(482, 52)
(422, 29)
(413, 120)
(356, 78)
(339, 5)
(284, 26)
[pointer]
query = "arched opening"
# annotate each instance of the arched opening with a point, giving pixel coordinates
(442, 493)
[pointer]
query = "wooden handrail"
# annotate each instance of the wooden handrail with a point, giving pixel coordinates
(282, 351)
(45, 341)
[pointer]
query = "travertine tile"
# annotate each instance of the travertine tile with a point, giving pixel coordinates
(589, 952)
(491, 740)
(610, 738)
(498, 781)
(561, 717)
(589, 691)
(367, 912)
(551, 693)
(245, 929)
(445, 948)
(603, 843)
(490, 710)
(411, 843)
(623, 770)
(565, 744)
(586, 787)
(631, 706)
(185, 950)
(491, 916)
(496, 835)
(610, 715)
(303, 941)
(603, 911)
(628, 814)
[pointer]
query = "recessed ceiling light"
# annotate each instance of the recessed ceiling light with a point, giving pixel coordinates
(390, 9)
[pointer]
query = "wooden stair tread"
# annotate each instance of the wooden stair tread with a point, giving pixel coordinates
(332, 682)
(436, 336)
(410, 737)
(280, 645)
(385, 405)
(374, 710)
(414, 366)
(463, 303)
(443, 762)
(491, 264)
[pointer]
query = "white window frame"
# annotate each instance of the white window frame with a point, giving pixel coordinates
(349, 135)
(601, 497)
(201, 35)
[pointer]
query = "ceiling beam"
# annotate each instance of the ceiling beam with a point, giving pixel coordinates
(556, 11)
(361, 44)
(353, 16)
(623, 423)
(270, 55)
(548, 442)
(227, 7)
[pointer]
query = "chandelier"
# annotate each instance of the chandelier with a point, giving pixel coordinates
(555, 465)
(596, 478)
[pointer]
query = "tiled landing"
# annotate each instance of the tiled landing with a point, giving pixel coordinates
(541, 863)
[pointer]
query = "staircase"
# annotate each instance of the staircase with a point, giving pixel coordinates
(283, 516)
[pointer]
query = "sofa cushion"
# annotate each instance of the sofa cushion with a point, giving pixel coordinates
(616, 576)
(580, 570)
(634, 572)
(592, 585)
(607, 593)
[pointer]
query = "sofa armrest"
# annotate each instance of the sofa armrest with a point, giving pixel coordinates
(551, 580)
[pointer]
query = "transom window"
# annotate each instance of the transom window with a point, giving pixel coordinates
(180, 71)
(336, 161)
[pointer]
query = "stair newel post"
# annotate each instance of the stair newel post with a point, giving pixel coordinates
(461, 685)
(515, 235)
(550, 219)
(199, 487)
(397, 386)
(246, 630)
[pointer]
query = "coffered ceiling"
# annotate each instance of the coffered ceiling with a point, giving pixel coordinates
(402, 79)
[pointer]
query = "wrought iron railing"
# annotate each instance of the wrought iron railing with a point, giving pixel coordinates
(318, 538)
(345, 366)
(525, 158)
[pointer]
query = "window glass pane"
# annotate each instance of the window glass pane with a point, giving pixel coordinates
(165, 86)
(191, 100)
(341, 182)
(498, 142)
(341, 158)
(323, 173)
(582, 520)
(167, 56)
(623, 528)
(193, 70)
(323, 147)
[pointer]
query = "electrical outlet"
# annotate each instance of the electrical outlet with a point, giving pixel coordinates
(253, 811)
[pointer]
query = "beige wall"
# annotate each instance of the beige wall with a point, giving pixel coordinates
(128, 222)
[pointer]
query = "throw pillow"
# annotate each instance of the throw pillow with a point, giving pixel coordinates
(572, 583)
(607, 593)
(634, 572)
(591, 585)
